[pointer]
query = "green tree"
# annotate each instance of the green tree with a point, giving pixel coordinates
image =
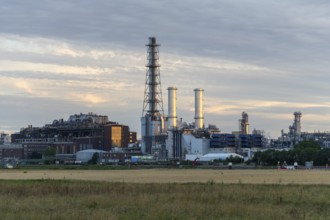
(49, 155)
(307, 150)
(94, 159)
(49, 152)
(307, 144)
(323, 157)
(234, 160)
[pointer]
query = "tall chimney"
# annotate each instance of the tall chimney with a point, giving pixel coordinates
(297, 123)
(172, 118)
(199, 119)
(244, 126)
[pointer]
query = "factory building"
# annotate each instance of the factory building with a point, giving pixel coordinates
(78, 133)
(4, 138)
(184, 141)
(296, 135)
(117, 136)
(293, 137)
(222, 141)
(11, 151)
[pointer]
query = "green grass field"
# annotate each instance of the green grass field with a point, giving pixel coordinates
(76, 199)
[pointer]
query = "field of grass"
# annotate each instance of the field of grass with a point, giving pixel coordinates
(164, 194)
(72, 199)
(177, 175)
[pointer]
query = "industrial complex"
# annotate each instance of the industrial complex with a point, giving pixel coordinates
(163, 136)
(80, 132)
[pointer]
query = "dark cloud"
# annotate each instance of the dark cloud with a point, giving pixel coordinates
(287, 40)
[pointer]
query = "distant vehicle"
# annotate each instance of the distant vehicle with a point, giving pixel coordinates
(290, 167)
(194, 163)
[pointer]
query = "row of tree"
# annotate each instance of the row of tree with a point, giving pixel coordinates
(307, 150)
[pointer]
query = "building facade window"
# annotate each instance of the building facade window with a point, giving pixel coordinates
(116, 136)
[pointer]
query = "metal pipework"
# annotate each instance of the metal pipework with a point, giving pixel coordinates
(172, 117)
(199, 119)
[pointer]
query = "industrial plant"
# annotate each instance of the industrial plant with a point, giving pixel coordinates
(81, 132)
(295, 135)
(163, 137)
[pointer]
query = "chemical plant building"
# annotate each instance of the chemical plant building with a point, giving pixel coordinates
(167, 138)
(296, 135)
(80, 132)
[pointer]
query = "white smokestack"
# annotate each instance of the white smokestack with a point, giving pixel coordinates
(172, 118)
(199, 119)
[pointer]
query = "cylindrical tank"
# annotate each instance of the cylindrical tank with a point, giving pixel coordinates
(172, 118)
(199, 119)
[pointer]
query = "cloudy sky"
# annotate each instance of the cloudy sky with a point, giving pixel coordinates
(267, 58)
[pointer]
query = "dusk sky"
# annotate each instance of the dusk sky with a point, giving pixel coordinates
(267, 58)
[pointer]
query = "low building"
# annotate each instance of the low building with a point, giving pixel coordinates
(11, 151)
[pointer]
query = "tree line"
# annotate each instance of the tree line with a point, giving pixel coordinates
(307, 150)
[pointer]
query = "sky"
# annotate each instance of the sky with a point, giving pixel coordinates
(267, 58)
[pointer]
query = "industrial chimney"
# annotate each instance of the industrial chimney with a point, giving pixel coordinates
(199, 119)
(172, 118)
(244, 123)
(152, 121)
(297, 124)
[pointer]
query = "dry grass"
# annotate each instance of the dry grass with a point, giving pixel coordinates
(164, 194)
(64, 199)
(178, 176)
